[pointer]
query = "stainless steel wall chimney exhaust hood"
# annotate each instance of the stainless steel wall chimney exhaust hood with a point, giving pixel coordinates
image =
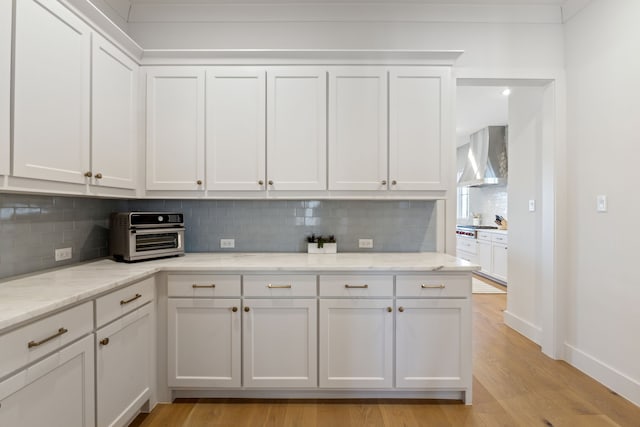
(486, 158)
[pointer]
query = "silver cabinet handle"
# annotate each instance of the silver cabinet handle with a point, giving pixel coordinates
(127, 301)
(432, 286)
(194, 286)
(270, 286)
(356, 286)
(61, 331)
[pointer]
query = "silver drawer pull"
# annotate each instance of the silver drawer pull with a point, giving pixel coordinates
(356, 286)
(127, 301)
(432, 286)
(194, 286)
(270, 286)
(61, 331)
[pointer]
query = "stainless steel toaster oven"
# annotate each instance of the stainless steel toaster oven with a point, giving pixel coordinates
(136, 236)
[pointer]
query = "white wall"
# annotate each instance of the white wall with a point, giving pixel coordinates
(603, 109)
(526, 123)
(488, 201)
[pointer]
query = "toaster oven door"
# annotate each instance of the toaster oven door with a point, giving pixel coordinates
(155, 242)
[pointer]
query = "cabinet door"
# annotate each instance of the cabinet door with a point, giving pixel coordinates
(123, 360)
(358, 129)
(236, 128)
(499, 269)
(297, 134)
(418, 116)
(204, 342)
(113, 119)
(55, 392)
(175, 128)
(433, 339)
(280, 343)
(484, 256)
(356, 343)
(51, 101)
(5, 83)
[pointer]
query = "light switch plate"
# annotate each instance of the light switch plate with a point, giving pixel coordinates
(228, 243)
(63, 253)
(532, 205)
(601, 203)
(365, 243)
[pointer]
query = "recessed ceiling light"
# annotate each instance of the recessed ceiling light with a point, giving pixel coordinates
(506, 92)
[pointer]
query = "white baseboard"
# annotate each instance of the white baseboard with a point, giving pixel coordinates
(615, 380)
(528, 329)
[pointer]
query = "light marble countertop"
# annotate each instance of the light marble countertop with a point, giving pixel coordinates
(25, 298)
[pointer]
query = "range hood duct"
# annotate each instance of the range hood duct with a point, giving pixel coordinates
(485, 161)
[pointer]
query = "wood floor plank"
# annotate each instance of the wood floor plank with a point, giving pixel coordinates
(514, 385)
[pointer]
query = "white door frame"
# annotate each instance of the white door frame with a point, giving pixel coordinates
(554, 205)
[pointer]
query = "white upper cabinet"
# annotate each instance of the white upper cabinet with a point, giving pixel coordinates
(236, 128)
(175, 128)
(114, 91)
(296, 123)
(51, 92)
(418, 105)
(358, 129)
(5, 84)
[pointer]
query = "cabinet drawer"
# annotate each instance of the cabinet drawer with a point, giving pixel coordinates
(500, 238)
(204, 285)
(24, 345)
(280, 285)
(484, 235)
(356, 286)
(434, 286)
(120, 302)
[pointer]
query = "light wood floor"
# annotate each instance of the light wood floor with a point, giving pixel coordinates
(514, 384)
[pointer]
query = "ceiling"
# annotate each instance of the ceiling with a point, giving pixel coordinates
(478, 107)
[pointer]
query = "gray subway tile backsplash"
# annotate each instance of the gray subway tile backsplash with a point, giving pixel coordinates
(32, 227)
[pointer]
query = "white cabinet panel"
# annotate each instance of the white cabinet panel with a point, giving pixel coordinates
(358, 129)
(356, 343)
(52, 90)
(204, 342)
(123, 367)
(418, 106)
(280, 343)
(484, 256)
(432, 343)
(113, 100)
(5, 83)
(55, 392)
(499, 253)
(296, 122)
(236, 126)
(175, 128)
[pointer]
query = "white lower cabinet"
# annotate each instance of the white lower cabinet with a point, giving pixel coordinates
(484, 255)
(123, 376)
(280, 343)
(499, 254)
(356, 343)
(204, 342)
(55, 392)
(432, 339)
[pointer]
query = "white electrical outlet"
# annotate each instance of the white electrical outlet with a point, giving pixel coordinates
(228, 243)
(532, 205)
(365, 243)
(63, 253)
